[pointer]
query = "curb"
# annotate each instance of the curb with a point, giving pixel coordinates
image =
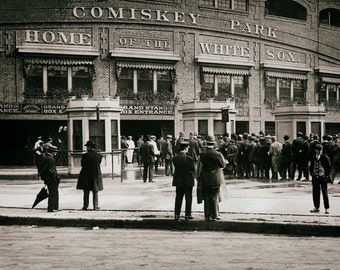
(169, 224)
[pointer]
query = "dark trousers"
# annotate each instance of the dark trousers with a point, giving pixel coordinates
(168, 166)
(53, 196)
(86, 199)
(180, 193)
(211, 202)
(285, 168)
(296, 165)
(320, 183)
(148, 169)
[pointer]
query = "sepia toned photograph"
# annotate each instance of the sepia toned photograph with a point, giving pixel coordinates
(170, 134)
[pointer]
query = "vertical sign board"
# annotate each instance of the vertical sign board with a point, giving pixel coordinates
(225, 115)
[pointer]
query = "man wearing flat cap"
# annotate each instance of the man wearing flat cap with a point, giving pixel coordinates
(90, 176)
(320, 168)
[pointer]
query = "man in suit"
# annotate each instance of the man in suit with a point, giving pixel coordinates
(168, 154)
(183, 180)
(297, 146)
(209, 179)
(147, 153)
(194, 149)
(48, 173)
(90, 176)
(320, 168)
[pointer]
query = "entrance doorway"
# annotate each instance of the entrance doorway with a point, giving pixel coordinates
(135, 128)
(19, 137)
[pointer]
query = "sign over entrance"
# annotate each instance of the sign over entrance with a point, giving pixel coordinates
(147, 110)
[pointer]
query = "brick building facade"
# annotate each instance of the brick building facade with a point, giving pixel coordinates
(174, 64)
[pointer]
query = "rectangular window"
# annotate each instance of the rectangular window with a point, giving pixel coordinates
(224, 4)
(269, 128)
(284, 89)
(224, 85)
(219, 128)
(77, 135)
(114, 134)
(125, 81)
(299, 90)
(97, 133)
(316, 128)
(332, 91)
(208, 3)
(81, 78)
(56, 77)
(164, 82)
(270, 88)
(145, 80)
(35, 78)
(301, 127)
(203, 128)
(239, 88)
(241, 5)
(208, 86)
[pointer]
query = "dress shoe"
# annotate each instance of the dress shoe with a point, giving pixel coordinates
(177, 217)
(51, 211)
(314, 210)
(326, 211)
(96, 208)
(188, 217)
(84, 209)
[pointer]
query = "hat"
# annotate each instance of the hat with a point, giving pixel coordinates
(52, 148)
(199, 136)
(299, 134)
(286, 137)
(90, 143)
(153, 137)
(184, 142)
(210, 139)
(318, 146)
(169, 136)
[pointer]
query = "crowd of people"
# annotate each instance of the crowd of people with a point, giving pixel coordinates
(208, 161)
(240, 156)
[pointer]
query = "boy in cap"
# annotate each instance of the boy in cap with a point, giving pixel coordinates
(320, 168)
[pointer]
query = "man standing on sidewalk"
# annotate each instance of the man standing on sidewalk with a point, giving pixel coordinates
(209, 179)
(147, 153)
(320, 168)
(183, 180)
(90, 176)
(48, 173)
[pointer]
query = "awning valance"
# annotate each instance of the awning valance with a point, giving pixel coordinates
(331, 80)
(58, 61)
(226, 71)
(141, 65)
(284, 75)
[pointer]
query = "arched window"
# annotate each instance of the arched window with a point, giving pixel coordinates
(287, 8)
(330, 16)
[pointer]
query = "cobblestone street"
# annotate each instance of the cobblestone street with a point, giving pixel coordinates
(31, 247)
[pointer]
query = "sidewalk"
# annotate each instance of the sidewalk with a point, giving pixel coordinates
(256, 206)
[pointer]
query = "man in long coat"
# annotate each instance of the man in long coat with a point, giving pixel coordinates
(209, 179)
(48, 173)
(183, 180)
(90, 176)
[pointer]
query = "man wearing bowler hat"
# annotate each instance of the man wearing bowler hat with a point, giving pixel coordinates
(208, 185)
(183, 179)
(90, 176)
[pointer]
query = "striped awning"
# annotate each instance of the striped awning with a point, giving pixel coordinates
(284, 75)
(141, 65)
(331, 80)
(58, 61)
(226, 71)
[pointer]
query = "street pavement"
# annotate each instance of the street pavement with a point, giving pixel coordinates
(252, 205)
